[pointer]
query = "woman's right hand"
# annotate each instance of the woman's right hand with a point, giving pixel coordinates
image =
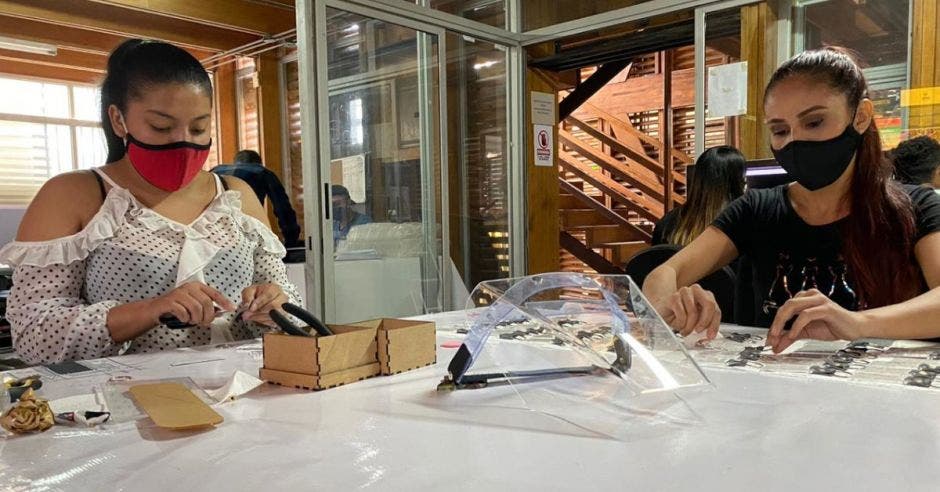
(192, 303)
(690, 309)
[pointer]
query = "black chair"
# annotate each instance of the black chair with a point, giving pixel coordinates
(720, 283)
(644, 262)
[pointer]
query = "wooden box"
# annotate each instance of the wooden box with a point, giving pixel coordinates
(403, 344)
(318, 363)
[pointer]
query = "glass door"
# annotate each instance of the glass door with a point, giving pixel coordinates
(383, 227)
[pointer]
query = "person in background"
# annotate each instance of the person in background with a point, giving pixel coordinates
(916, 162)
(344, 217)
(249, 168)
(147, 235)
(842, 253)
(716, 181)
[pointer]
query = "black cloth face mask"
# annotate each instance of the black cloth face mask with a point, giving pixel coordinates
(817, 164)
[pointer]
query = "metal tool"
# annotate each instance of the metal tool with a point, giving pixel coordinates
(474, 381)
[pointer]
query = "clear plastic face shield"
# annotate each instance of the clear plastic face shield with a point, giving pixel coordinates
(562, 341)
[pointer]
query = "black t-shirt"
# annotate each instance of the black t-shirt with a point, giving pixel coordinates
(763, 225)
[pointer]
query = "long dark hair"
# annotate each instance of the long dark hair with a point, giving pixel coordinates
(717, 179)
(878, 235)
(136, 64)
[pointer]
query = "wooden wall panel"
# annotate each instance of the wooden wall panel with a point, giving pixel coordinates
(646, 93)
(269, 111)
(925, 62)
(758, 48)
(228, 113)
(542, 189)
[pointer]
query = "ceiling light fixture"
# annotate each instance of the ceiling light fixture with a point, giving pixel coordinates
(27, 46)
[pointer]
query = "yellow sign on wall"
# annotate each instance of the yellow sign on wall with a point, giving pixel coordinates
(925, 96)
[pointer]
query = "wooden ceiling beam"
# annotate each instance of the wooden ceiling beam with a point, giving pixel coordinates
(119, 21)
(238, 15)
(47, 72)
(77, 60)
(70, 37)
(287, 4)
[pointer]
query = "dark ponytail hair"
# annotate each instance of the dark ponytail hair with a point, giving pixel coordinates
(136, 64)
(717, 179)
(879, 233)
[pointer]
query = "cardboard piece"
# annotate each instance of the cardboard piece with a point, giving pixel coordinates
(403, 344)
(320, 362)
(173, 406)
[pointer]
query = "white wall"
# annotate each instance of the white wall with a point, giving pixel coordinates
(9, 223)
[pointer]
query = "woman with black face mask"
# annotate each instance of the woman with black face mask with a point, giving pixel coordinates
(843, 252)
(101, 256)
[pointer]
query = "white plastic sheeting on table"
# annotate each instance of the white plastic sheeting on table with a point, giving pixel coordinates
(752, 432)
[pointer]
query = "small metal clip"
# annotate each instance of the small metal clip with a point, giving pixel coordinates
(922, 374)
(918, 381)
(928, 368)
(865, 345)
(743, 363)
(827, 370)
(842, 359)
(751, 353)
(738, 337)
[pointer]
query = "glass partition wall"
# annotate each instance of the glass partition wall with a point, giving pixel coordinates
(879, 33)
(408, 201)
(412, 121)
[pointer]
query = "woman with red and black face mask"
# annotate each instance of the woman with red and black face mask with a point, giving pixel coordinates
(843, 252)
(106, 259)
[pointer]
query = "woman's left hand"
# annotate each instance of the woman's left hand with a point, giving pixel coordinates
(817, 317)
(258, 301)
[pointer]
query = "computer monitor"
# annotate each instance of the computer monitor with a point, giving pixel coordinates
(765, 173)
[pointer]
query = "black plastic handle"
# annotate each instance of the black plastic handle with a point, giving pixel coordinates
(286, 325)
(174, 323)
(307, 317)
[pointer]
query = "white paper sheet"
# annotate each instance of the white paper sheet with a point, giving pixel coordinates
(727, 90)
(237, 385)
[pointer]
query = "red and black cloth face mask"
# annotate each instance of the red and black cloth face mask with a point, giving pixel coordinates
(170, 166)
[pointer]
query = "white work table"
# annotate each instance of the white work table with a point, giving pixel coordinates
(752, 431)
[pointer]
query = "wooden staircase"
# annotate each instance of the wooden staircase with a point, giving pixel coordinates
(622, 126)
(611, 178)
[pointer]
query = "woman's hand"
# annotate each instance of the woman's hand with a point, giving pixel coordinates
(817, 317)
(691, 309)
(258, 300)
(193, 303)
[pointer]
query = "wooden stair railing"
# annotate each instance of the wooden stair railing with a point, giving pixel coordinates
(627, 127)
(599, 207)
(650, 210)
(587, 255)
(638, 177)
(643, 175)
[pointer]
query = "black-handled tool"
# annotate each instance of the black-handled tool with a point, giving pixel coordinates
(285, 324)
(307, 317)
(174, 323)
